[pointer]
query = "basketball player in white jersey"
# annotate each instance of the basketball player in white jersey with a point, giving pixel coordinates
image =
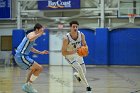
(25, 62)
(71, 42)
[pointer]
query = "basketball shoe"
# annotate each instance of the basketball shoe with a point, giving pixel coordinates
(28, 88)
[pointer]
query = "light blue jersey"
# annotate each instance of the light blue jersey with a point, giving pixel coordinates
(25, 46)
(22, 54)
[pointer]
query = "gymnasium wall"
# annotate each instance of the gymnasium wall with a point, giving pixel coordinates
(116, 47)
(44, 42)
(124, 46)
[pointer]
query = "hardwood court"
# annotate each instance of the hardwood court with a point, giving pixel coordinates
(59, 79)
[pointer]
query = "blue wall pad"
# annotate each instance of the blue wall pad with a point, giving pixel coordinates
(42, 43)
(90, 39)
(17, 36)
(124, 46)
(101, 48)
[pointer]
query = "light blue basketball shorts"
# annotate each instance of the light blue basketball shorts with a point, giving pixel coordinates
(23, 61)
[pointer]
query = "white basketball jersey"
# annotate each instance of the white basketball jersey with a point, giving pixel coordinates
(74, 44)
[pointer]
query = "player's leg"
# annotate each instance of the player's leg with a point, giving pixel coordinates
(83, 67)
(76, 74)
(82, 63)
(29, 75)
(79, 69)
(32, 76)
(35, 70)
(76, 65)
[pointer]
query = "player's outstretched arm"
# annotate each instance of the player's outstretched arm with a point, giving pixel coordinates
(39, 52)
(32, 36)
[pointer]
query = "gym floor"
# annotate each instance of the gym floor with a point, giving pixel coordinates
(59, 79)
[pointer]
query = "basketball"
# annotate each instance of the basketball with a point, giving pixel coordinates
(82, 51)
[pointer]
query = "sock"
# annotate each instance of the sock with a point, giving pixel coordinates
(33, 78)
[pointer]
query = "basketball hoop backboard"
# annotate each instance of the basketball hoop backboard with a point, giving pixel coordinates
(128, 7)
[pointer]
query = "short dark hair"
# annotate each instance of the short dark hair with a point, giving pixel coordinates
(37, 26)
(73, 22)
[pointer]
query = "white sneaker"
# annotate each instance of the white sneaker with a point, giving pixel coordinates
(77, 76)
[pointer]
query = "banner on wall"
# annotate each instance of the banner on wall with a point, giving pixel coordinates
(5, 9)
(58, 4)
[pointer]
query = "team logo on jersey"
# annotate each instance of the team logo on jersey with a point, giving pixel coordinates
(75, 44)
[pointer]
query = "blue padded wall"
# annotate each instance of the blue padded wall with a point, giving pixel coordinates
(17, 36)
(124, 46)
(90, 39)
(42, 43)
(101, 47)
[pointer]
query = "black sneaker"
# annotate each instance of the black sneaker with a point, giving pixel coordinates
(77, 77)
(89, 90)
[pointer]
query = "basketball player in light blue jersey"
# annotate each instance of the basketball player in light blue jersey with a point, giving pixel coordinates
(71, 42)
(25, 62)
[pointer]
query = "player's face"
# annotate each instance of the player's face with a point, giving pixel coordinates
(74, 27)
(41, 29)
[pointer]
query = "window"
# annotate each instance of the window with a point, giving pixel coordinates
(6, 43)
